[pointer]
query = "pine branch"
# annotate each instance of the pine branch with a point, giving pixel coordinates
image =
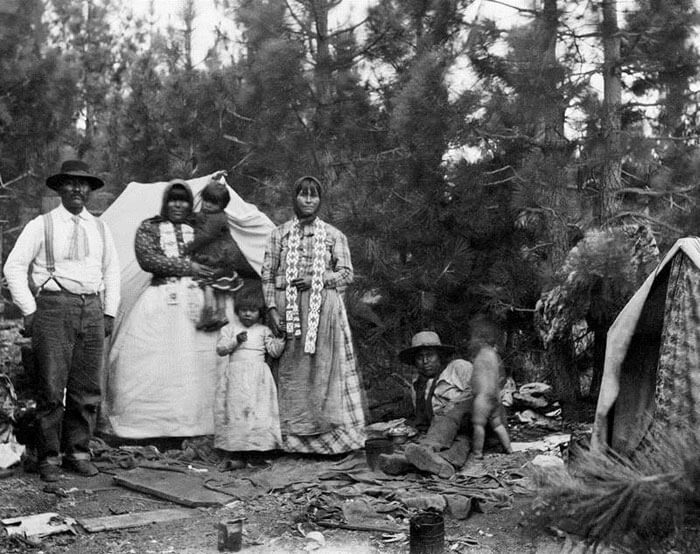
(681, 139)
(516, 8)
(234, 113)
(610, 499)
(655, 193)
(28, 173)
(296, 18)
(639, 215)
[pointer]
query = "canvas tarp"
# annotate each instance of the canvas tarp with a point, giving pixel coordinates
(652, 366)
(249, 227)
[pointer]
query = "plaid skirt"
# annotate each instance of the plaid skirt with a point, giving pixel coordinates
(341, 427)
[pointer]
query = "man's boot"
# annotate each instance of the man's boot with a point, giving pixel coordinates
(394, 464)
(426, 460)
(458, 452)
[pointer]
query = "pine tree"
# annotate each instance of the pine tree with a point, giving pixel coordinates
(37, 107)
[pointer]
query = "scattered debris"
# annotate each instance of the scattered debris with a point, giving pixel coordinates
(394, 537)
(10, 453)
(554, 442)
(530, 416)
(435, 502)
(462, 541)
(38, 525)
(53, 488)
(459, 506)
(547, 461)
(317, 538)
(536, 396)
(352, 527)
(10, 450)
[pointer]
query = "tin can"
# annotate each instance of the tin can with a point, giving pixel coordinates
(230, 535)
(427, 533)
(373, 448)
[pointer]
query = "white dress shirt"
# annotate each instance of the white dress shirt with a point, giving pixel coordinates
(28, 257)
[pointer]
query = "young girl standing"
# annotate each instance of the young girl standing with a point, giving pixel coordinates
(246, 416)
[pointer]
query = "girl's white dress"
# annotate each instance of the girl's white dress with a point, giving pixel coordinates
(246, 415)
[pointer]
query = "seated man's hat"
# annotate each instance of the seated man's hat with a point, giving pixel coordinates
(74, 168)
(424, 339)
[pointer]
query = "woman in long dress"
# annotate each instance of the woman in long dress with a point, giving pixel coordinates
(162, 371)
(306, 269)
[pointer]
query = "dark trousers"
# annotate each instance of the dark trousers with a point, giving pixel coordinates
(68, 343)
(448, 432)
(445, 426)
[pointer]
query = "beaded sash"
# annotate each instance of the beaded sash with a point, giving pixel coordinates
(318, 267)
(168, 238)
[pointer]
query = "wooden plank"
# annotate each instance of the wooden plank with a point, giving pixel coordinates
(126, 521)
(184, 489)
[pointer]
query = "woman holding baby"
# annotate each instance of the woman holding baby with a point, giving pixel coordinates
(162, 371)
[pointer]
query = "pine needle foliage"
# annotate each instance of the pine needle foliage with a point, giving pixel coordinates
(647, 502)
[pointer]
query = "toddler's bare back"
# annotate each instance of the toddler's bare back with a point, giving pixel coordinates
(486, 383)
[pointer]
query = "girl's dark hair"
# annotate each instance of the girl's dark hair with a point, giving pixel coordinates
(247, 298)
(308, 181)
(216, 193)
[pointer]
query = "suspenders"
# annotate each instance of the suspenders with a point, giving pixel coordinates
(48, 247)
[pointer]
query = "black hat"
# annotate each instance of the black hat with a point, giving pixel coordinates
(74, 168)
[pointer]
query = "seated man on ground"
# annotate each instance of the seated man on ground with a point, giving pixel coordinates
(443, 398)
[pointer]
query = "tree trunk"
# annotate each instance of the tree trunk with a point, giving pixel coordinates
(611, 179)
(566, 381)
(600, 335)
(323, 55)
(188, 15)
(551, 130)
(86, 144)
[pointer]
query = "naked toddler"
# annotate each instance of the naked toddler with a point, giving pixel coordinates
(486, 386)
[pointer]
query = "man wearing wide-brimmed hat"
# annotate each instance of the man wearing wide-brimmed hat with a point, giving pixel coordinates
(63, 274)
(443, 398)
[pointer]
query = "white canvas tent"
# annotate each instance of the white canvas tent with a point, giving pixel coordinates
(652, 359)
(128, 411)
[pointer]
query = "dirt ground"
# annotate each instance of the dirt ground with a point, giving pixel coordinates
(276, 521)
(279, 515)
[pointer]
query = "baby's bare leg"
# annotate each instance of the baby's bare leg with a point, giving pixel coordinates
(219, 304)
(480, 416)
(501, 432)
(209, 299)
(479, 433)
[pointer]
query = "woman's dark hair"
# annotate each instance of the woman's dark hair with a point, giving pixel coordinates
(251, 299)
(307, 181)
(216, 193)
(177, 190)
